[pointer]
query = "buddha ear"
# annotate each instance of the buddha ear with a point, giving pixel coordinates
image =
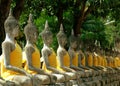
(30, 20)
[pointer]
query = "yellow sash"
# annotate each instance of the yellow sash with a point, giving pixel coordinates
(52, 62)
(66, 62)
(15, 60)
(75, 60)
(35, 61)
(90, 60)
(95, 61)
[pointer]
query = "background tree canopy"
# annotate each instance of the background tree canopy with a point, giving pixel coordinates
(93, 20)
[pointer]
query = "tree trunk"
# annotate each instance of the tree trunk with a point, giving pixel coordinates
(77, 25)
(80, 17)
(4, 10)
(60, 13)
(18, 9)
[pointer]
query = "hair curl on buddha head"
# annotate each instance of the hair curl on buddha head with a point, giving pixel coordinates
(10, 23)
(46, 32)
(30, 28)
(61, 33)
(73, 38)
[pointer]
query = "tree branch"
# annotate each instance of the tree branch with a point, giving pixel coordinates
(79, 18)
(77, 4)
(4, 7)
(81, 14)
(60, 13)
(4, 10)
(87, 11)
(18, 9)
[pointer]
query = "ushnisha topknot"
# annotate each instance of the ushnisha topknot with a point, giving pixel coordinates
(10, 22)
(72, 38)
(30, 28)
(10, 13)
(61, 33)
(46, 32)
(30, 20)
(46, 26)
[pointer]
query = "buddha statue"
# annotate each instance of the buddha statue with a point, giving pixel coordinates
(11, 63)
(86, 63)
(74, 56)
(98, 59)
(94, 72)
(90, 60)
(117, 60)
(86, 58)
(63, 59)
(109, 62)
(49, 56)
(81, 56)
(31, 56)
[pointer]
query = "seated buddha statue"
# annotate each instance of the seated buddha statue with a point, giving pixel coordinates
(117, 60)
(11, 63)
(81, 56)
(109, 63)
(49, 56)
(90, 61)
(74, 55)
(63, 59)
(98, 59)
(31, 56)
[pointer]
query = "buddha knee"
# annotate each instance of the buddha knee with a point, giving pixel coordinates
(45, 79)
(26, 81)
(67, 77)
(22, 80)
(87, 74)
(60, 78)
(2, 82)
(71, 75)
(53, 78)
(10, 83)
(41, 79)
(82, 74)
(78, 74)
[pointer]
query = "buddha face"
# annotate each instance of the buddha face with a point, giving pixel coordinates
(34, 37)
(64, 41)
(48, 40)
(74, 44)
(15, 31)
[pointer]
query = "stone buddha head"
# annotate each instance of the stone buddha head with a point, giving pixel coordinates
(30, 30)
(61, 37)
(46, 35)
(73, 40)
(11, 25)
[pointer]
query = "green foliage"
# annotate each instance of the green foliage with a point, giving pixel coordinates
(107, 8)
(68, 22)
(93, 27)
(40, 23)
(109, 36)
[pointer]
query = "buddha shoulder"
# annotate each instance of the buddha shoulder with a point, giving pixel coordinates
(8, 45)
(61, 51)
